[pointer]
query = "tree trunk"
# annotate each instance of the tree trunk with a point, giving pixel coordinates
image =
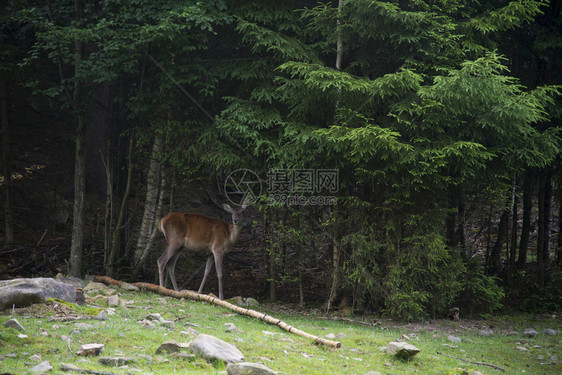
(495, 254)
(528, 189)
(149, 215)
(116, 232)
(79, 199)
(153, 231)
(513, 246)
(545, 211)
(6, 161)
(80, 162)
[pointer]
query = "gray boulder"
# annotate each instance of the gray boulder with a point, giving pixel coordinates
(24, 292)
(41, 368)
(549, 332)
(247, 368)
(402, 349)
(210, 348)
(529, 332)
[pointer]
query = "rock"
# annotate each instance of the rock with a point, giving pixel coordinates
(146, 323)
(247, 368)
(230, 327)
(70, 367)
(210, 347)
(113, 300)
(24, 292)
(102, 315)
(330, 336)
(115, 361)
(476, 373)
(243, 302)
(549, 332)
(35, 358)
(94, 287)
(91, 349)
(522, 348)
(168, 323)
(42, 367)
(372, 373)
(169, 347)
(529, 332)
(190, 332)
(454, 339)
(486, 332)
(145, 357)
(341, 335)
(154, 316)
(402, 349)
(13, 323)
(129, 287)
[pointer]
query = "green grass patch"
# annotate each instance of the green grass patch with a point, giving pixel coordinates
(52, 333)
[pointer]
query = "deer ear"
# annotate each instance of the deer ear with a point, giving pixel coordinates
(227, 207)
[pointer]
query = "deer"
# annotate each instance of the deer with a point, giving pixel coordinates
(189, 232)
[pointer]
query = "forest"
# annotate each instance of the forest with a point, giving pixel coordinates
(399, 157)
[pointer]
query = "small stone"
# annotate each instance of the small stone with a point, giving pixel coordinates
(372, 373)
(69, 367)
(91, 349)
(553, 358)
(486, 332)
(388, 364)
(116, 361)
(454, 339)
(230, 327)
(102, 315)
(340, 335)
(549, 332)
(13, 323)
(247, 368)
(146, 323)
(476, 372)
(42, 367)
(402, 349)
(529, 332)
(190, 332)
(154, 316)
(22, 336)
(540, 357)
(169, 347)
(168, 323)
(35, 358)
(522, 348)
(330, 336)
(113, 300)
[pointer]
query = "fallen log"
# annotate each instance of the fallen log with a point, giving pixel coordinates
(218, 302)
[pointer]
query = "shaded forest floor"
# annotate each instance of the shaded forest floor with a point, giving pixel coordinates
(55, 331)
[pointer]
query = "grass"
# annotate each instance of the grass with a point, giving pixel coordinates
(58, 341)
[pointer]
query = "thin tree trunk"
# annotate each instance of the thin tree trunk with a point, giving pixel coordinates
(495, 255)
(77, 242)
(152, 186)
(547, 221)
(79, 199)
(6, 160)
(337, 271)
(513, 246)
(115, 242)
(528, 189)
(559, 246)
(153, 230)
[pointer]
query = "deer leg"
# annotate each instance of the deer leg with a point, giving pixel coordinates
(172, 270)
(218, 266)
(208, 267)
(163, 261)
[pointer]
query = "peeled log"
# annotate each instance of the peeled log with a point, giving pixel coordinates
(215, 301)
